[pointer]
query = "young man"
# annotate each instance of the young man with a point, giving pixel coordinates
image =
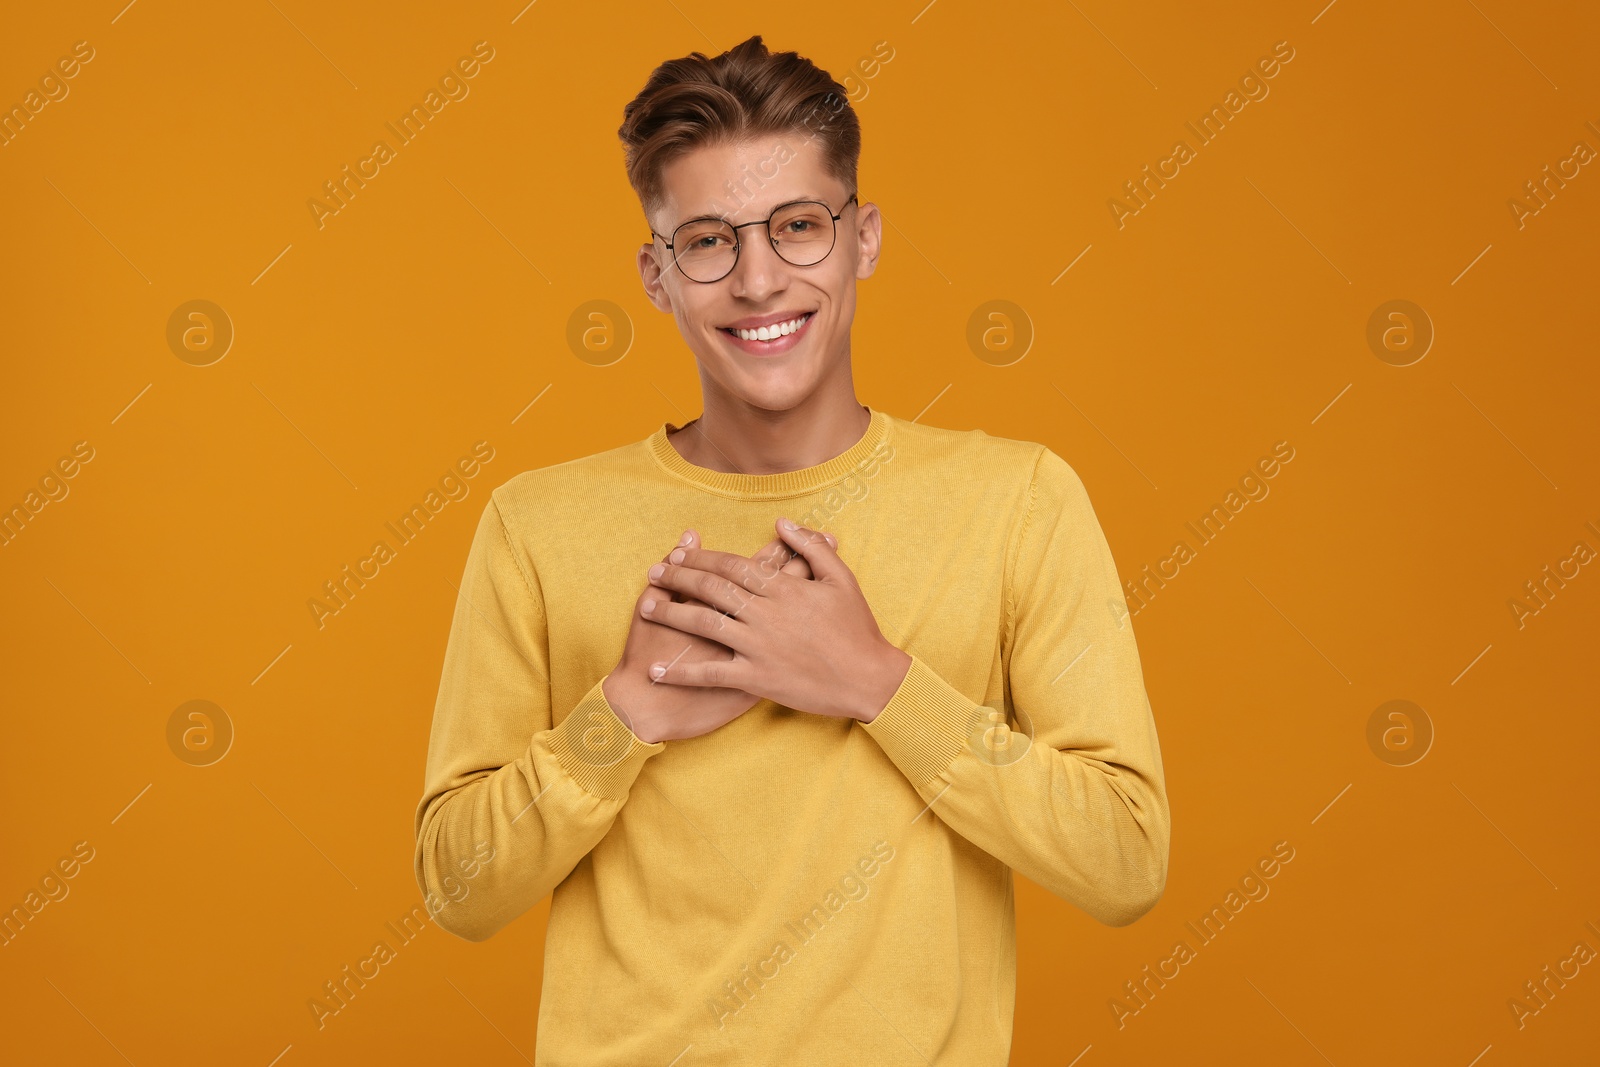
(796, 845)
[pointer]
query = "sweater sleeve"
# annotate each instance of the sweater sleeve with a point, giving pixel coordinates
(511, 803)
(1070, 792)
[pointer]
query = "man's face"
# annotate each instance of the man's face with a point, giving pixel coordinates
(744, 183)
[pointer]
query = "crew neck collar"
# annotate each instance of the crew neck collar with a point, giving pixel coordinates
(770, 486)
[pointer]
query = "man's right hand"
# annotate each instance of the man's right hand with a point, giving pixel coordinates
(673, 712)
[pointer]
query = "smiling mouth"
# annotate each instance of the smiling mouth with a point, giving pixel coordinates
(770, 333)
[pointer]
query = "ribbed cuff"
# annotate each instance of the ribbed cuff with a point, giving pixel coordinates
(925, 724)
(597, 750)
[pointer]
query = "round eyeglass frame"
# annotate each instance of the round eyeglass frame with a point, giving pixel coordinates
(767, 222)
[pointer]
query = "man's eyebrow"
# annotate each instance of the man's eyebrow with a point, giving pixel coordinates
(724, 216)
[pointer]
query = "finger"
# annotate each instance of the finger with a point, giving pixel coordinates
(719, 674)
(725, 580)
(775, 549)
(700, 621)
(775, 556)
(654, 592)
(689, 539)
(779, 547)
(708, 589)
(797, 564)
(819, 549)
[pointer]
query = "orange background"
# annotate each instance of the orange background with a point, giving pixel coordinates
(1228, 314)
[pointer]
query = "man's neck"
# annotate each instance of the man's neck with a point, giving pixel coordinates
(735, 444)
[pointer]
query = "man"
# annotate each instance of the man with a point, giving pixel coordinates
(796, 844)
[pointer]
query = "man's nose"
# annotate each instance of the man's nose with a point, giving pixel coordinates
(759, 270)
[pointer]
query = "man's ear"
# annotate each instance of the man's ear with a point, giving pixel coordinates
(869, 234)
(650, 275)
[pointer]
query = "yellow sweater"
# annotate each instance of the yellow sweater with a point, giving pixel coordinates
(792, 888)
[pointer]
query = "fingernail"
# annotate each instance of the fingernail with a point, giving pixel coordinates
(649, 606)
(787, 525)
(656, 571)
(657, 671)
(675, 557)
(685, 539)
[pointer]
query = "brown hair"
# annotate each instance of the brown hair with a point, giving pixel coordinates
(745, 92)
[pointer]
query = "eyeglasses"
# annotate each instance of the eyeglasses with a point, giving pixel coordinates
(801, 232)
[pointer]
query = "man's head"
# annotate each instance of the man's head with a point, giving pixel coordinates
(732, 138)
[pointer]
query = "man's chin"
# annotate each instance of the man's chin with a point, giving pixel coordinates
(771, 396)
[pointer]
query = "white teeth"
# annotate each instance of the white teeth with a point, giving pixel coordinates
(769, 333)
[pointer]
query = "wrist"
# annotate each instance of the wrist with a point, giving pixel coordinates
(626, 703)
(891, 671)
